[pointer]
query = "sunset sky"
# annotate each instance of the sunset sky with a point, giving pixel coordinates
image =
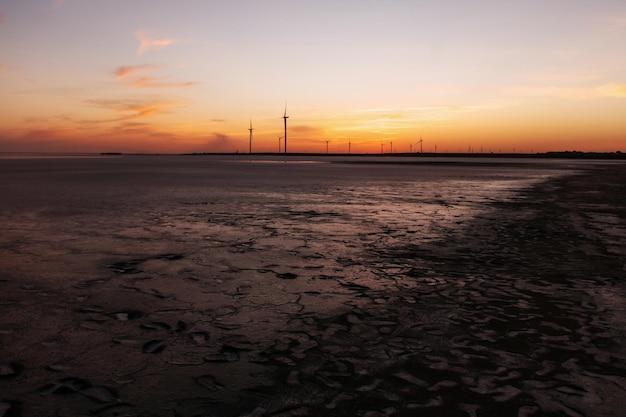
(190, 75)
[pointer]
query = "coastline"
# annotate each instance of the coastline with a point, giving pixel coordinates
(617, 156)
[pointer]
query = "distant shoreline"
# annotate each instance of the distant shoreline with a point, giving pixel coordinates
(618, 155)
(551, 154)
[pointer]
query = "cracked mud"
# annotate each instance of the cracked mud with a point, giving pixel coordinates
(161, 286)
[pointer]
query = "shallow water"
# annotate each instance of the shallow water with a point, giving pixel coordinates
(181, 282)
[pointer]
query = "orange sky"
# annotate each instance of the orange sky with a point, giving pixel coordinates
(78, 76)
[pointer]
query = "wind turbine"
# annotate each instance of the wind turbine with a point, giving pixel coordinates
(285, 117)
(279, 138)
(250, 129)
(420, 143)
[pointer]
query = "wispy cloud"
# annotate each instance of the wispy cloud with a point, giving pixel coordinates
(559, 76)
(575, 93)
(612, 90)
(9, 70)
(375, 110)
(37, 140)
(135, 108)
(140, 76)
(397, 118)
(159, 83)
(56, 120)
(307, 129)
(617, 22)
(579, 93)
(402, 112)
(221, 143)
(126, 136)
(131, 70)
(131, 130)
(146, 43)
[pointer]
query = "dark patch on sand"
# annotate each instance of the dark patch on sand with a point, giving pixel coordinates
(131, 266)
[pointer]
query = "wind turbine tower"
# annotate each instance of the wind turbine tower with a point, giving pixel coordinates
(285, 117)
(250, 129)
(420, 142)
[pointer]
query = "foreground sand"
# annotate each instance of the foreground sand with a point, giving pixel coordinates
(518, 312)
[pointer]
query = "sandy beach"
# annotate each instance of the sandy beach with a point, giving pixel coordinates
(196, 286)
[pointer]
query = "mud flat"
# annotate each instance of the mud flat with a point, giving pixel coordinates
(171, 286)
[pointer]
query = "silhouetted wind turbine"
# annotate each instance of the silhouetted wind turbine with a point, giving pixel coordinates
(279, 138)
(285, 117)
(250, 129)
(420, 143)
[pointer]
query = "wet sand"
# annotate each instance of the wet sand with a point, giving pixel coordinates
(153, 287)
